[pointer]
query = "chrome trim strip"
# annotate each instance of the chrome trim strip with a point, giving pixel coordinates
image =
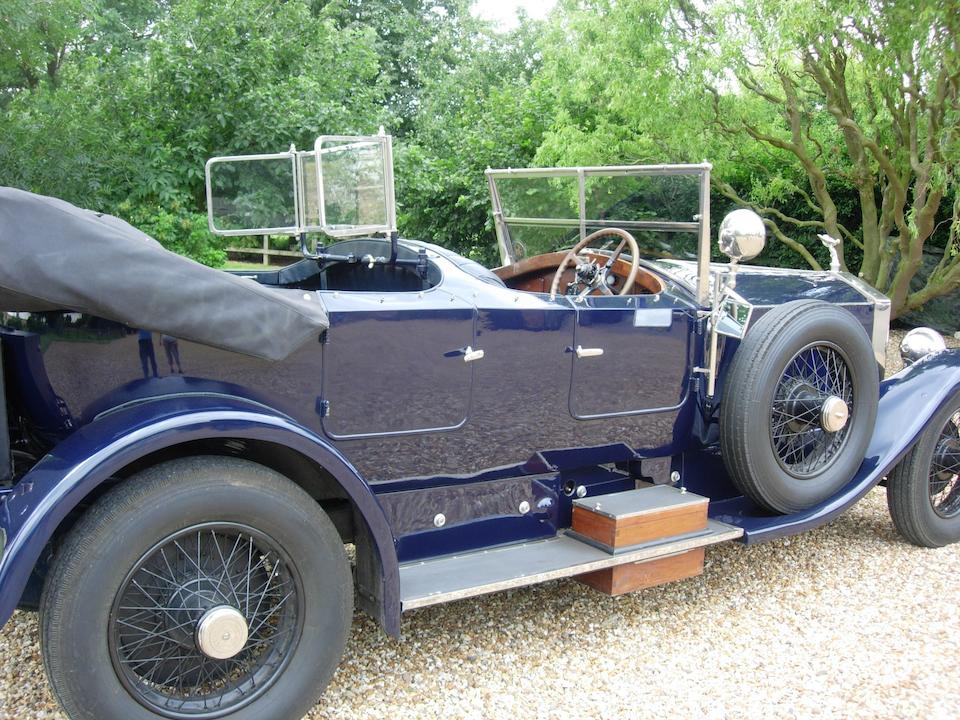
(586, 222)
(881, 313)
(573, 171)
(503, 232)
(703, 254)
(881, 331)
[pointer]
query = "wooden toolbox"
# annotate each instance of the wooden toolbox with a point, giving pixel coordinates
(625, 520)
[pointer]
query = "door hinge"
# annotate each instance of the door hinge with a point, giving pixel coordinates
(323, 407)
(694, 382)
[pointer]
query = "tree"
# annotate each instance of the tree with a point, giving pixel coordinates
(37, 36)
(416, 40)
(135, 113)
(34, 38)
(480, 113)
(801, 104)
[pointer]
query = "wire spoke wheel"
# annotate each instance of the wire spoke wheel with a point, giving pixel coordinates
(816, 382)
(201, 588)
(944, 480)
(205, 621)
(798, 405)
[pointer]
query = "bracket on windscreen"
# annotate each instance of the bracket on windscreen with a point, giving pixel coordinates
(343, 188)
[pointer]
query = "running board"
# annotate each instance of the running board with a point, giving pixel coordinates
(455, 577)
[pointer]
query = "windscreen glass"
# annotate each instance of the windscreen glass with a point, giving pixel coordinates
(542, 213)
(353, 177)
(252, 194)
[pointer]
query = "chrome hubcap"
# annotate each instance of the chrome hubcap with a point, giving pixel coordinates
(834, 414)
(222, 632)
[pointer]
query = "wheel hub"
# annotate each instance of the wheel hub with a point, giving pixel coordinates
(834, 414)
(222, 632)
(810, 408)
(947, 458)
(188, 605)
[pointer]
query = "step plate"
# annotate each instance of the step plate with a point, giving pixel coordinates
(477, 573)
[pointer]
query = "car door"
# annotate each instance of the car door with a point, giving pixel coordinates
(396, 363)
(631, 354)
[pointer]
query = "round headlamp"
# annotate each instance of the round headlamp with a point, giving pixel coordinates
(919, 343)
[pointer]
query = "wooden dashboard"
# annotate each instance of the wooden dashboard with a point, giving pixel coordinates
(535, 274)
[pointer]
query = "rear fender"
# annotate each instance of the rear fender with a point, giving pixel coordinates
(907, 402)
(35, 507)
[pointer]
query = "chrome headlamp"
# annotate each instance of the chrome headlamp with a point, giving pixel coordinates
(920, 342)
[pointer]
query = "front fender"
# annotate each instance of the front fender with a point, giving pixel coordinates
(907, 402)
(33, 510)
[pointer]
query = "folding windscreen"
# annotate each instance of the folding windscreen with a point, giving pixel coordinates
(342, 188)
(355, 185)
(665, 207)
(252, 194)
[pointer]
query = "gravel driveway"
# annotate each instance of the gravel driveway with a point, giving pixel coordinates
(847, 621)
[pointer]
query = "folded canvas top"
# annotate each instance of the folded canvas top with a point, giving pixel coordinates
(56, 256)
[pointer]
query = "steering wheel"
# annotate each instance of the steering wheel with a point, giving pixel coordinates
(590, 273)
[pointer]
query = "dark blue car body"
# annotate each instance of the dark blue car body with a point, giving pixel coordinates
(400, 428)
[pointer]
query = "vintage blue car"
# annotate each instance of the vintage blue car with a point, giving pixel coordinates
(203, 472)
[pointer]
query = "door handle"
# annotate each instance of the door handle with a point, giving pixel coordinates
(583, 352)
(469, 355)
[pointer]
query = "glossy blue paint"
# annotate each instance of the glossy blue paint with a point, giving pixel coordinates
(661, 354)
(907, 401)
(30, 387)
(46, 494)
(497, 502)
(767, 288)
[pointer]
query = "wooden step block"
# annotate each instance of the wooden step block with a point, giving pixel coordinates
(636, 576)
(619, 520)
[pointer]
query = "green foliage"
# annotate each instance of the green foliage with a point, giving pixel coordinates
(133, 116)
(416, 40)
(827, 116)
(483, 113)
(35, 35)
(177, 229)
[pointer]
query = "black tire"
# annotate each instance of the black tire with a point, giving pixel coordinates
(90, 601)
(782, 458)
(914, 487)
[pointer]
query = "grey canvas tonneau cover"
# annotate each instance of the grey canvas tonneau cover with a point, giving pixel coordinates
(56, 256)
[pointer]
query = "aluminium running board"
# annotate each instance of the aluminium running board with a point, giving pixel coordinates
(455, 577)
